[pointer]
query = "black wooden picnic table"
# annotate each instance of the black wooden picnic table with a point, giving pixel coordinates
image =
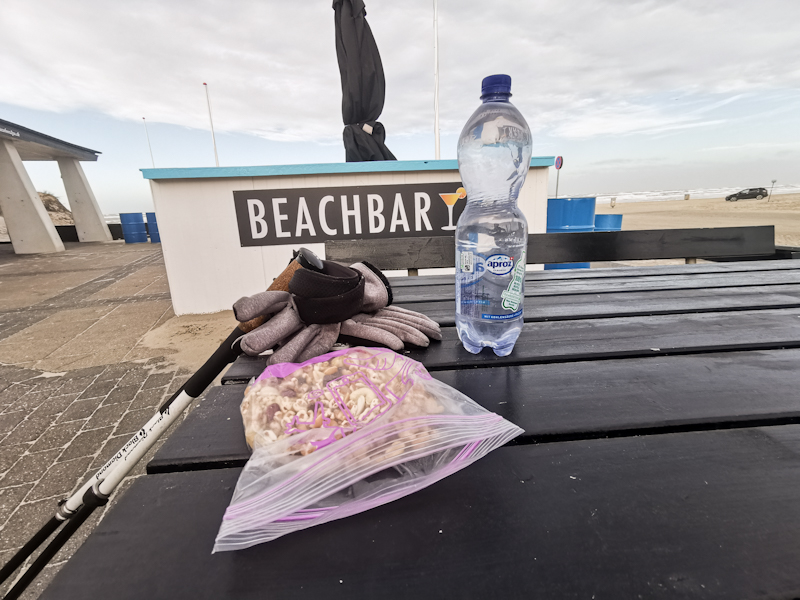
(660, 458)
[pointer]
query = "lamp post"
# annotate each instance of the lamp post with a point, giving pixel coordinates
(436, 78)
(153, 160)
(210, 120)
(769, 198)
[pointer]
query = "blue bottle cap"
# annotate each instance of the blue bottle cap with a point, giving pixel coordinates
(496, 84)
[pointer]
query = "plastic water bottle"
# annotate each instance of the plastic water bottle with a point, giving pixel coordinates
(494, 154)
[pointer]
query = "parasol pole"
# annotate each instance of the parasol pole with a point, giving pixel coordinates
(213, 137)
(436, 76)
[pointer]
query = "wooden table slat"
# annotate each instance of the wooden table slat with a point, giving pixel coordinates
(210, 437)
(720, 282)
(603, 339)
(631, 304)
(622, 271)
(631, 337)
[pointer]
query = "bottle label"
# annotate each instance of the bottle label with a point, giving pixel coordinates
(512, 297)
(513, 315)
(499, 264)
(490, 287)
(466, 262)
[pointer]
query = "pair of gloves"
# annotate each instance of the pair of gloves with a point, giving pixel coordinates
(306, 319)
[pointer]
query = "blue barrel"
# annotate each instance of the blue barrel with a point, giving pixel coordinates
(608, 223)
(565, 215)
(133, 229)
(152, 228)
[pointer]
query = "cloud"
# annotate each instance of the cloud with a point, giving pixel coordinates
(581, 69)
(627, 118)
(772, 146)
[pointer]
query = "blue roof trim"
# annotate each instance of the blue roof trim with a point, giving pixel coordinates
(383, 166)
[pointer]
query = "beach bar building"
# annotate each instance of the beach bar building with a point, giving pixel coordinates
(29, 226)
(227, 232)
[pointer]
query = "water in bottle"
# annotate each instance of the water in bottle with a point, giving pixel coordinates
(494, 154)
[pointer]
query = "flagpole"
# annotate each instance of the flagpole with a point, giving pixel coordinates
(436, 76)
(148, 143)
(213, 137)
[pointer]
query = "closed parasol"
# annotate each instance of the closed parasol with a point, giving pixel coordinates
(363, 84)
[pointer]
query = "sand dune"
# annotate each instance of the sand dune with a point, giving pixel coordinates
(59, 214)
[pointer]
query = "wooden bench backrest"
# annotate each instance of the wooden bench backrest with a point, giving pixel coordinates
(433, 252)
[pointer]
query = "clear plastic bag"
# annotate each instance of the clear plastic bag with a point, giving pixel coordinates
(345, 432)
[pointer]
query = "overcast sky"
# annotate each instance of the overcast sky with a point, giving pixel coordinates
(636, 95)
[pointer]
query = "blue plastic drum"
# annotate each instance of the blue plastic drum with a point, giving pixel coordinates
(133, 229)
(152, 228)
(566, 215)
(608, 223)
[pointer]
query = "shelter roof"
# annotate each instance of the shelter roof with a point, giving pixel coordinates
(33, 145)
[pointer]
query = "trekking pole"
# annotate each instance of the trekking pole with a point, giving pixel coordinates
(96, 490)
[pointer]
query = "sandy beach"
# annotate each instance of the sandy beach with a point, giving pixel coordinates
(781, 211)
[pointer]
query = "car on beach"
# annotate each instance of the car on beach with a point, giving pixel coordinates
(757, 193)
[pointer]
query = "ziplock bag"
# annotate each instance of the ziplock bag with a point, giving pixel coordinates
(345, 432)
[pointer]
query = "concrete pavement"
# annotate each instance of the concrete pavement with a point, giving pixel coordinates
(75, 381)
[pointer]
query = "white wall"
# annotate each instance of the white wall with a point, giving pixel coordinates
(208, 269)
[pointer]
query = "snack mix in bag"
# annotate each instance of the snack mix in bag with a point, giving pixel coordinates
(345, 432)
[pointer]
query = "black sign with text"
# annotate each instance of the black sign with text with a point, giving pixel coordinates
(276, 217)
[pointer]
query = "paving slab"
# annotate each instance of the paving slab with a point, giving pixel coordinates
(77, 258)
(40, 340)
(147, 280)
(18, 291)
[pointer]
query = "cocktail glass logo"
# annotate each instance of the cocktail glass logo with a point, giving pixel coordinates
(450, 200)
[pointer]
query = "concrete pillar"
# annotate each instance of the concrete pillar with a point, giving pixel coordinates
(29, 226)
(89, 221)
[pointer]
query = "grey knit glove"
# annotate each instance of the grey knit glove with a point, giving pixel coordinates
(298, 342)
(393, 327)
(313, 340)
(388, 325)
(372, 318)
(377, 291)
